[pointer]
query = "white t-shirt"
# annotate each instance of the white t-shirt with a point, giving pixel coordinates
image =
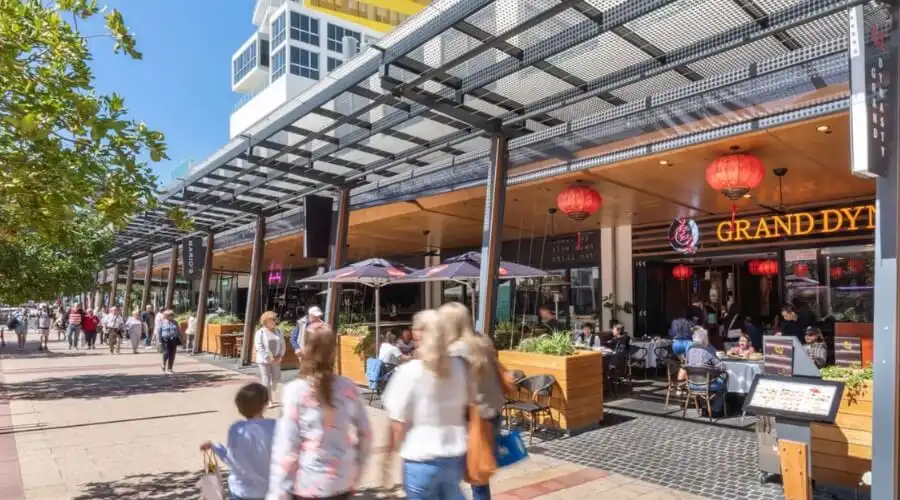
(434, 409)
(389, 353)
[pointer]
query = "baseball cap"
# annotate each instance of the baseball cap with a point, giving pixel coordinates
(315, 311)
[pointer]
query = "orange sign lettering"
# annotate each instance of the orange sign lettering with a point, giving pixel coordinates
(829, 220)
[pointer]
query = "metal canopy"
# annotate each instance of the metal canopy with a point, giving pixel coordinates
(412, 113)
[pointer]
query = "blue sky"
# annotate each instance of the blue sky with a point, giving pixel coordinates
(182, 85)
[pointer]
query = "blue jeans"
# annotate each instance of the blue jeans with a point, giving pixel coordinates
(72, 334)
(436, 479)
(717, 386)
(483, 491)
(680, 346)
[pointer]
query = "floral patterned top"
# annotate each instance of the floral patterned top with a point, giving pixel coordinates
(314, 453)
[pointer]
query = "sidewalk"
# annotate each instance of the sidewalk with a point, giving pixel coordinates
(88, 425)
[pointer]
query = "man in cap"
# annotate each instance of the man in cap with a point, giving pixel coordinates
(312, 320)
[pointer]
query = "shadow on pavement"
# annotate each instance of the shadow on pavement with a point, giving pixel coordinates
(31, 352)
(113, 385)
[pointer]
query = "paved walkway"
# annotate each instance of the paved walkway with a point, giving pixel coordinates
(88, 425)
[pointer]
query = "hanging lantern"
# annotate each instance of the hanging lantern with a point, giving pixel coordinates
(753, 267)
(735, 175)
(856, 266)
(579, 201)
(836, 272)
(682, 272)
(768, 268)
(801, 270)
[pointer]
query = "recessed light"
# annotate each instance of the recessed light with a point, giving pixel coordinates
(824, 129)
(664, 163)
(748, 195)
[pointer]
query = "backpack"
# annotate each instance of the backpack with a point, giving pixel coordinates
(12, 323)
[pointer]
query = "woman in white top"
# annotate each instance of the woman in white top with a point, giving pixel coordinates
(269, 343)
(135, 328)
(426, 401)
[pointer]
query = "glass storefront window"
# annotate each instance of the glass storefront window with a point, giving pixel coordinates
(834, 283)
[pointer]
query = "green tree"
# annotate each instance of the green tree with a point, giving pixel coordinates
(72, 163)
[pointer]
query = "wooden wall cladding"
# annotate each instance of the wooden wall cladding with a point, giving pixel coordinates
(577, 401)
(842, 452)
(213, 335)
(352, 366)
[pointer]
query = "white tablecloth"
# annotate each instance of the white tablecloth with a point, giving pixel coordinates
(651, 346)
(740, 375)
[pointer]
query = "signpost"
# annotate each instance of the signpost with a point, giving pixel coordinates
(191, 257)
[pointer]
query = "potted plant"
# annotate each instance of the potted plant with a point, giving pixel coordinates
(577, 401)
(609, 302)
(216, 326)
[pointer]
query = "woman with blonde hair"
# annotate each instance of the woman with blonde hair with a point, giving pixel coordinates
(484, 370)
(313, 455)
(426, 402)
(269, 344)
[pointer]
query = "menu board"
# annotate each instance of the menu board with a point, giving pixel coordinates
(778, 356)
(848, 352)
(797, 398)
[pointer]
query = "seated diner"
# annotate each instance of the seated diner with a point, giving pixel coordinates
(587, 336)
(389, 353)
(702, 355)
(406, 344)
(744, 347)
(620, 342)
(815, 346)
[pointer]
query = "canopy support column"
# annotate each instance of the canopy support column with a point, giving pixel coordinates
(205, 277)
(129, 282)
(338, 254)
(148, 281)
(114, 287)
(173, 272)
(101, 302)
(492, 236)
(259, 248)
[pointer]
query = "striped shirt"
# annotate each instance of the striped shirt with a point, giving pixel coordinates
(75, 317)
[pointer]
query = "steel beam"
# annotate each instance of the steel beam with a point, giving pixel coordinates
(205, 278)
(129, 281)
(148, 282)
(259, 248)
(173, 272)
(340, 226)
(102, 301)
(492, 236)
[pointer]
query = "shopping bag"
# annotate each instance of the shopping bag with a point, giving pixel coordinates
(480, 461)
(210, 485)
(510, 448)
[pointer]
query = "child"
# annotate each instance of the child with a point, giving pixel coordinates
(249, 447)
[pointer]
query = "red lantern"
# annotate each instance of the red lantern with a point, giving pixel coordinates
(682, 272)
(753, 267)
(836, 272)
(801, 270)
(856, 266)
(735, 175)
(768, 268)
(579, 201)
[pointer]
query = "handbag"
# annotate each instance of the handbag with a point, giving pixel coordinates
(510, 448)
(480, 461)
(210, 484)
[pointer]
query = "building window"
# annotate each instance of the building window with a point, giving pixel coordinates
(278, 30)
(333, 64)
(304, 63)
(304, 29)
(244, 63)
(277, 64)
(336, 36)
(264, 53)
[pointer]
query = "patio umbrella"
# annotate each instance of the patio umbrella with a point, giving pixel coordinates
(375, 273)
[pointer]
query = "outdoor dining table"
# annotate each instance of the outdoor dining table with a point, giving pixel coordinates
(741, 374)
(651, 345)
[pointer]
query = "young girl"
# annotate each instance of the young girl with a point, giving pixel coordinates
(249, 445)
(744, 347)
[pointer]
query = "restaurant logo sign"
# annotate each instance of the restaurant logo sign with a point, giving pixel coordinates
(874, 97)
(778, 356)
(684, 236)
(848, 352)
(829, 220)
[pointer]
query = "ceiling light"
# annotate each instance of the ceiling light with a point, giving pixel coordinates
(664, 163)
(823, 128)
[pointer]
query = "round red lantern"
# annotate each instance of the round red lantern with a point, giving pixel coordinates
(753, 267)
(579, 201)
(735, 175)
(682, 272)
(836, 272)
(801, 270)
(856, 266)
(768, 268)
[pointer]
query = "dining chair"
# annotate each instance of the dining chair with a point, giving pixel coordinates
(673, 365)
(540, 391)
(702, 378)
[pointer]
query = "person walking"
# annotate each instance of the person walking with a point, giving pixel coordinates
(313, 319)
(114, 328)
(148, 318)
(426, 401)
(135, 329)
(269, 344)
(61, 321)
(90, 324)
(73, 328)
(314, 455)
(483, 368)
(157, 321)
(21, 328)
(190, 333)
(169, 339)
(44, 321)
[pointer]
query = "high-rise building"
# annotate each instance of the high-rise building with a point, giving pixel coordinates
(298, 42)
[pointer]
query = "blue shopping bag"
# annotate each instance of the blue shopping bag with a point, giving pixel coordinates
(509, 448)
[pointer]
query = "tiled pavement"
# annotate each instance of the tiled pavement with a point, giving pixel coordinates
(89, 425)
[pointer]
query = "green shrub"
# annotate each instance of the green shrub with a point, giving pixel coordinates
(853, 378)
(183, 317)
(225, 319)
(557, 343)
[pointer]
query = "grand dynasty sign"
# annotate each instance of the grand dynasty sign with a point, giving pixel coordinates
(830, 220)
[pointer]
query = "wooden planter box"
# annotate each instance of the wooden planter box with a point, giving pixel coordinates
(288, 362)
(352, 366)
(842, 452)
(213, 334)
(577, 401)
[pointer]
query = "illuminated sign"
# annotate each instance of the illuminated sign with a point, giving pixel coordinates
(830, 220)
(684, 235)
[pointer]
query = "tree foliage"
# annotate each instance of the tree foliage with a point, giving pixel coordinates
(72, 166)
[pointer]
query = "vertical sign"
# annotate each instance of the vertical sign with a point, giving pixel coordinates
(191, 257)
(778, 356)
(873, 93)
(848, 352)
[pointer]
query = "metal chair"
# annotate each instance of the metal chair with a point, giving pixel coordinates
(637, 358)
(673, 365)
(376, 386)
(540, 390)
(703, 378)
(517, 377)
(617, 371)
